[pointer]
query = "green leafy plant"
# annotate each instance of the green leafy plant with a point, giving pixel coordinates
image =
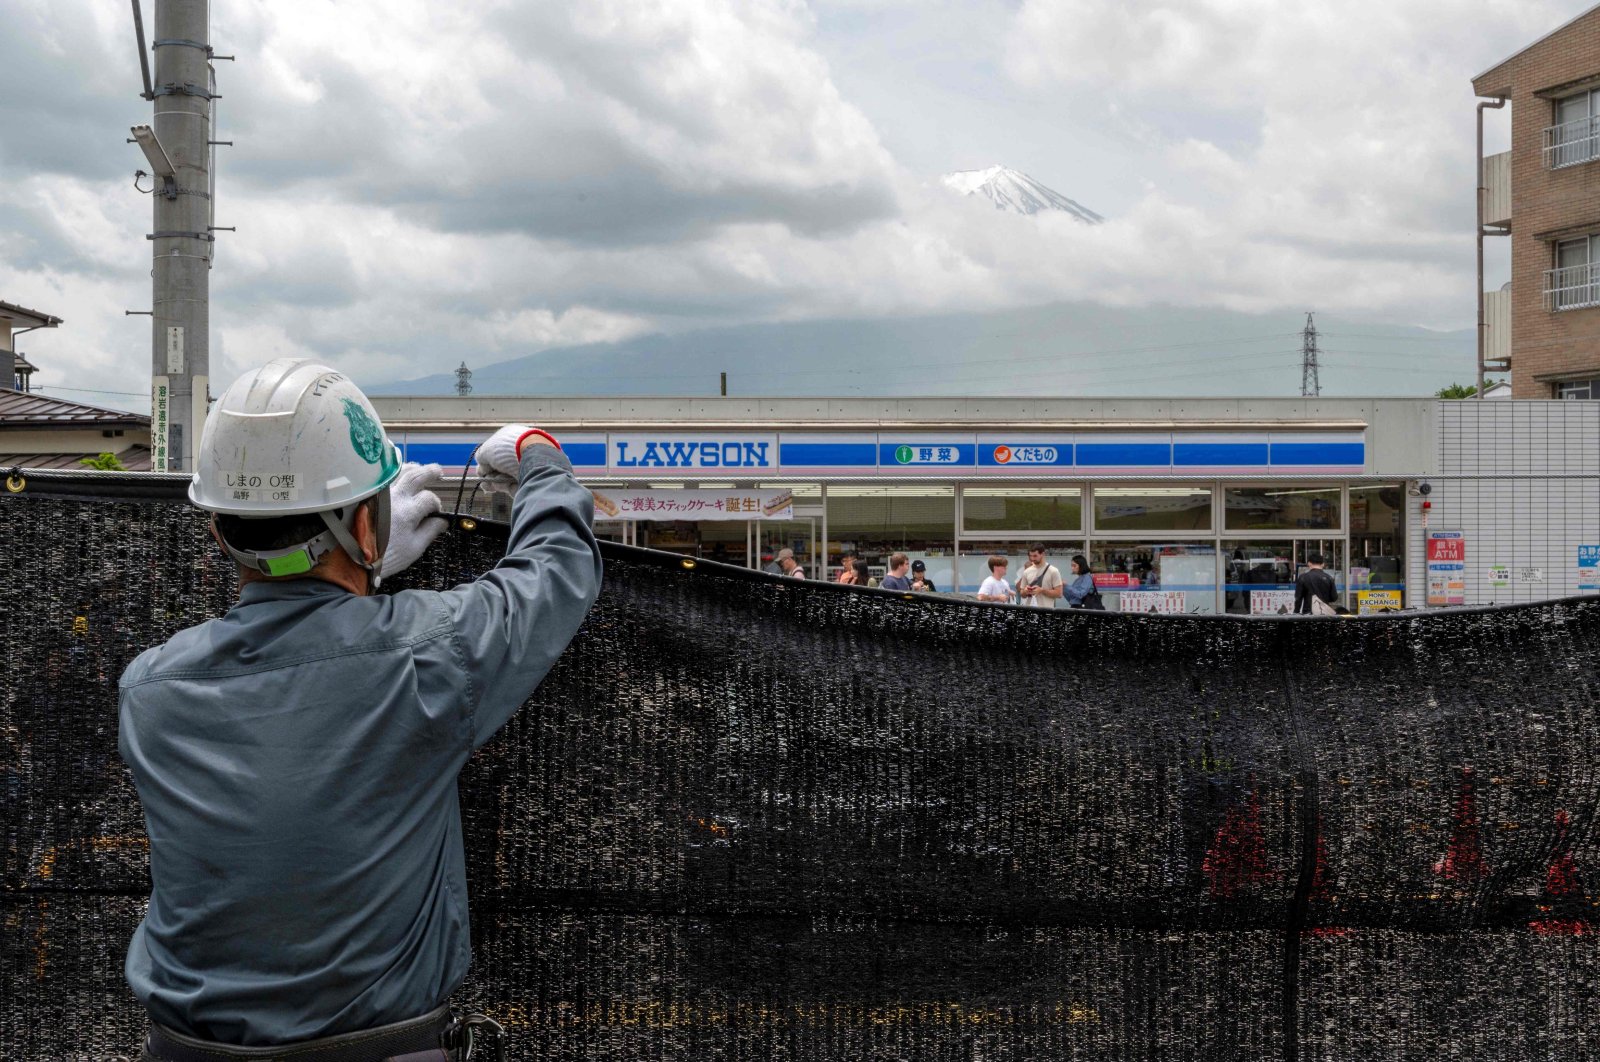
(103, 462)
(1456, 390)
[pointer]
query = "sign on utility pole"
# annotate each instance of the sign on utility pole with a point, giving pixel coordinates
(182, 237)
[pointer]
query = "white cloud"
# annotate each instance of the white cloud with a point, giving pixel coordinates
(416, 185)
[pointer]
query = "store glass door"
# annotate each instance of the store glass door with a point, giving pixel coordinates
(799, 534)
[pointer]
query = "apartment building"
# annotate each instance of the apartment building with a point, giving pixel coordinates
(1544, 195)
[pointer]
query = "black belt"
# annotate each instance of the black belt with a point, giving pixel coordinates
(372, 1045)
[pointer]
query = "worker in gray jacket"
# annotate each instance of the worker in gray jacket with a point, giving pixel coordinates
(297, 758)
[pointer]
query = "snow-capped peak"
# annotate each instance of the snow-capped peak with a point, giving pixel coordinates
(1011, 190)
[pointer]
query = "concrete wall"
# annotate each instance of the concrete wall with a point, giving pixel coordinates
(70, 440)
(1521, 480)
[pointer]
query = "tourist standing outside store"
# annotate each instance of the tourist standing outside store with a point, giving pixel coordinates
(899, 564)
(1081, 592)
(920, 580)
(787, 565)
(995, 587)
(847, 567)
(1040, 585)
(1315, 585)
(863, 573)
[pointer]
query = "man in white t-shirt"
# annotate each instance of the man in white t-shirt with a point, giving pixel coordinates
(1040, 584)
(995, 587)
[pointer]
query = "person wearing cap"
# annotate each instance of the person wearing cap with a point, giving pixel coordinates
(919, 578)
(787, 565)
(297, 758)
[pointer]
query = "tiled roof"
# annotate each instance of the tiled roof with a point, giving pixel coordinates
(31, 409)
(8, 309)
(134, 459)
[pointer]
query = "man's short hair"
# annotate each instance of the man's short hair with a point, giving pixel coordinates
(276, 532)
(997, 561)
(897, 559)
(785, 554)
(1037, 547)
(1316, 558)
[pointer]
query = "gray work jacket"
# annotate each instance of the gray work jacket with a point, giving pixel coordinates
(297, 763)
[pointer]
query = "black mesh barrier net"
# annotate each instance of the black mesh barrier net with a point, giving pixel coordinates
(747, 817)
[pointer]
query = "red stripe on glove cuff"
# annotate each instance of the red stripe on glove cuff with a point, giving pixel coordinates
(546, 436)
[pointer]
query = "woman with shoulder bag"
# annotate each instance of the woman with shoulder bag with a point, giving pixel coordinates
(1081, 591)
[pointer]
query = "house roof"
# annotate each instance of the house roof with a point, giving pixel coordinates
(134, 459)
(42, 320)
(30, 409)
(1576, 18)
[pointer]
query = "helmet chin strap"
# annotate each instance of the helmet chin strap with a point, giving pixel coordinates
(340, 522)
(298, 560)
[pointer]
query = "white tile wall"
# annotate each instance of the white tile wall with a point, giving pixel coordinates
(1522, 480)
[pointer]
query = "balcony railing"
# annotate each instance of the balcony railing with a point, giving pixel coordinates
(1571, 143)
(1572, 288)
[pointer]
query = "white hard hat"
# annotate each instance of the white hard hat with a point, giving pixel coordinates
(294, 437)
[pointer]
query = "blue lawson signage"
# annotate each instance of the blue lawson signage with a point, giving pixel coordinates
(1080, 455)
(757, 453)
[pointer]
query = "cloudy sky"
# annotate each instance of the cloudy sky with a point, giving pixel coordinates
(417, 183)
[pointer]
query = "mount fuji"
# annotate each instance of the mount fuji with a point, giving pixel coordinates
(1017, 192)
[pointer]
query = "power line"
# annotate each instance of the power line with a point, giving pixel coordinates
(90, 391)
(1404, 339)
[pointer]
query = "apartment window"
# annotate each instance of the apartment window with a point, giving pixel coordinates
(1578, 389)
(1575, 138)
(1575, 281)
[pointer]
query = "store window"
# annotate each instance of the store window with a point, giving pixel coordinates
(1021, 509)
(799, 533)
(1172, 577)
(973, 564)
(875, 521)
(1378, 538)
(1259, 575)
(1152, 509)
(1285, 508)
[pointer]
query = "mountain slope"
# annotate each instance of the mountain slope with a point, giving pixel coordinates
(1015, 191)
(1065, 349)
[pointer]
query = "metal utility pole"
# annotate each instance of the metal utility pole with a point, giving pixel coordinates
(182, 237)
(1484, 230)
(1310, 385)
(463, 380)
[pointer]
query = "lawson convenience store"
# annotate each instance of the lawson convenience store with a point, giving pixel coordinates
(1194, 506)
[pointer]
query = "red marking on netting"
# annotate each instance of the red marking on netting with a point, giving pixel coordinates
(1562, 927)
(1463, 860)
(1237, 857)
(1321, 877)
(1561, 876)
(1322, 886)
(1561, 883)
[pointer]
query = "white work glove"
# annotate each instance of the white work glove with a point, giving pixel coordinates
(498, 464)
(413, 517)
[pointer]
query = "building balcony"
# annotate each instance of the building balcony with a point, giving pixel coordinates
(1571, 143)
(1497, 191)
(1497, 330)
(1572, 288)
